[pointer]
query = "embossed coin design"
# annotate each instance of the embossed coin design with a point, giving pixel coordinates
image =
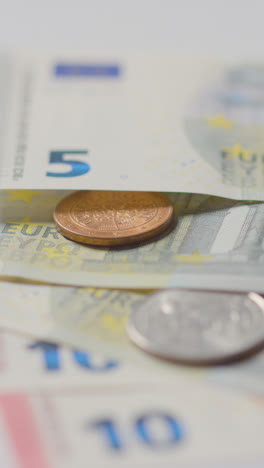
(197, 327)
(113, 218)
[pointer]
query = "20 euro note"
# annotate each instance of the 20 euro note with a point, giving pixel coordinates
(131, 122)
(214, 244)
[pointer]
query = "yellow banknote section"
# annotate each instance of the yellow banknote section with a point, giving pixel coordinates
(210, 242)
(31, 247)
(83, 318)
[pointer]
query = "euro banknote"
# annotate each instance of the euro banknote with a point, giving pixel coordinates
(88, 318)
(183, 426)
(215, 243)
(245, 376)
(76, 337)
(132, 122)
(29, 364)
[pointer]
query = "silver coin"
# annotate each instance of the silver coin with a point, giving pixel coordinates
(198, 327)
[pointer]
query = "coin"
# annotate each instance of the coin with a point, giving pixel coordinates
(113, 218)
(198, 327)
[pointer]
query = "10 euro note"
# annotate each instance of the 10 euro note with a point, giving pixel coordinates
(183, 426)
(92, 324)
(116, 121)
(87, 320)
(214, 243)
(30, 363)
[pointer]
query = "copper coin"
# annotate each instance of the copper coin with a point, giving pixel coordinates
(112, 218)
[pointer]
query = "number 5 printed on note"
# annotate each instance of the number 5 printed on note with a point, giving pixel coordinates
(68, 164)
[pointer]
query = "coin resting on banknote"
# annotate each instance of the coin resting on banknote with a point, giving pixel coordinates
(198, 327)
(113, 218)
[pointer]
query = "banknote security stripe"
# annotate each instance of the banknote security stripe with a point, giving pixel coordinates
(89, 70)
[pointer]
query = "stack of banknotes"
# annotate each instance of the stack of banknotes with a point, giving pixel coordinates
(74, 391)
